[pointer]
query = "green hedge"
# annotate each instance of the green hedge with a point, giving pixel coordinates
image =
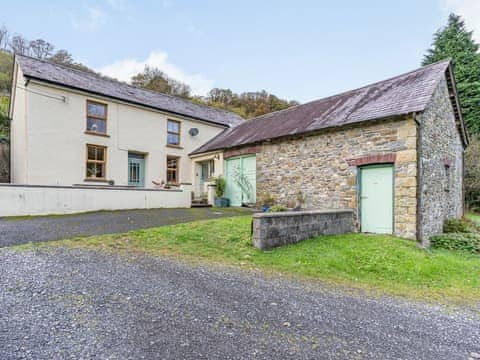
(458, 226)
(457, 241)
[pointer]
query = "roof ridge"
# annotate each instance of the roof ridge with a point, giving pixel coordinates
(447, 60)
(113, 80)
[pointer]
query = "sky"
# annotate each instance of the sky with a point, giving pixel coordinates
(298, 50)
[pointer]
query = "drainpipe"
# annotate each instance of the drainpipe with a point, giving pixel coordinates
(419, 178)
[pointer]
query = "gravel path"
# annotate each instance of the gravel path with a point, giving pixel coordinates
(71, 304)
(14, 231)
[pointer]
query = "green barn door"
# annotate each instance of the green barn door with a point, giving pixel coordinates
(232, 190)
(376, 199)
(241, 180)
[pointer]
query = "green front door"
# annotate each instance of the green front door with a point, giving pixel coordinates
(376, 199)
(136, 169)
(240, 180)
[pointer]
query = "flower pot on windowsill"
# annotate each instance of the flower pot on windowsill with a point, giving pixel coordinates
(222, 202)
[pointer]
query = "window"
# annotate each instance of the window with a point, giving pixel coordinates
(172, 169)
(96, 117)
(448, 177)
(96, 162)
(173, 132)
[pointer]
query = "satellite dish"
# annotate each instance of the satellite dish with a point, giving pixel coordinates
(193, 131)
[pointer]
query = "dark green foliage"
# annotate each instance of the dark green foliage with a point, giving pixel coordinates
(472, 174)
(458, 226)
(4, 120)
(456, 42)
(469, 242)
(220, 186)
(6, 67)
(277, 208)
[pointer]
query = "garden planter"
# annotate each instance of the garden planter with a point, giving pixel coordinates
(222, 202)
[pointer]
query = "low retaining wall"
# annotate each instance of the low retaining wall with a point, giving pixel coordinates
(22, 200)
(282, 228)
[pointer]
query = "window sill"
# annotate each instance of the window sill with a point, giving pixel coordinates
(174, 146)
(96, 133)
(96, 180)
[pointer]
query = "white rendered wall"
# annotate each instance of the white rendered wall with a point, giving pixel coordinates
(18, 200)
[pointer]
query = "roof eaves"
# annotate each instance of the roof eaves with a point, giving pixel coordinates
(125, 100)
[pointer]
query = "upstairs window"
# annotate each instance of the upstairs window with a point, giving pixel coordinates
(96, 117)
(96, 162)
(173, 132)
(172, 170)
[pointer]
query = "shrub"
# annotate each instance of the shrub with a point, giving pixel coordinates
(472, 174)
(457, 241)
(220, 189)
(458, 226)
(268, 199)
(277, 208)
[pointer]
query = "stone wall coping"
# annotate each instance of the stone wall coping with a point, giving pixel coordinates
(89, 187)
(300, 213)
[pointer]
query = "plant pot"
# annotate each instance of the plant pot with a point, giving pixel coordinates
(222, 202)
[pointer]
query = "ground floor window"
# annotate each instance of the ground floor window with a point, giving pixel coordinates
(172, 169)
(96, 162)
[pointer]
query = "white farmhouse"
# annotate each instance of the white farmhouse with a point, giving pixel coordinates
(78, 130)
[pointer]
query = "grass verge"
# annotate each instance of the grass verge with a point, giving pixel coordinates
(474, 217)
(376, 262)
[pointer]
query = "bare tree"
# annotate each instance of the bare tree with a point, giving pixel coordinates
(40, 48)
(4, 37)
(20, 45)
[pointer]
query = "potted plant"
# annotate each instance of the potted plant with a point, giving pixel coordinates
(220, 201)
(267, 201)
(300, 201)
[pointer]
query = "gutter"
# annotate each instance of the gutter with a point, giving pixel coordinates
(125, 101)
(419, 177)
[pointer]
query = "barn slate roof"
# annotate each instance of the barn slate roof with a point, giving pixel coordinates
(400, 95)
(96, 84)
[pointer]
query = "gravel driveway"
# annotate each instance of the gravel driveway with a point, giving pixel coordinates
(14, 231)
(71, 304)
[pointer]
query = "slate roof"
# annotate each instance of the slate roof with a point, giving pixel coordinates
(96, 84)
(397, 96)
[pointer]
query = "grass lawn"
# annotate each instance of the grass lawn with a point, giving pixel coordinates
(474, 217)
(374, 262)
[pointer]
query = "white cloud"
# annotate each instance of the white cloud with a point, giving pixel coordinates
(469, 10)
(124, 69)
(92, 19)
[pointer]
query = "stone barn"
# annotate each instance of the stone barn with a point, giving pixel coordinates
(392, 151)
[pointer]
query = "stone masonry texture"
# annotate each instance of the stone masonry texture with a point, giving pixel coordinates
(282, 228)
(441, 165)
(318, 166)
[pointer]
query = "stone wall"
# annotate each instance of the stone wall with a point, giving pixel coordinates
(320, 165)
(4, 162)
(283, 228)
(441, 166)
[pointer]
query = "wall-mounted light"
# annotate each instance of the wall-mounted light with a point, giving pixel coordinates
(216, 157)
